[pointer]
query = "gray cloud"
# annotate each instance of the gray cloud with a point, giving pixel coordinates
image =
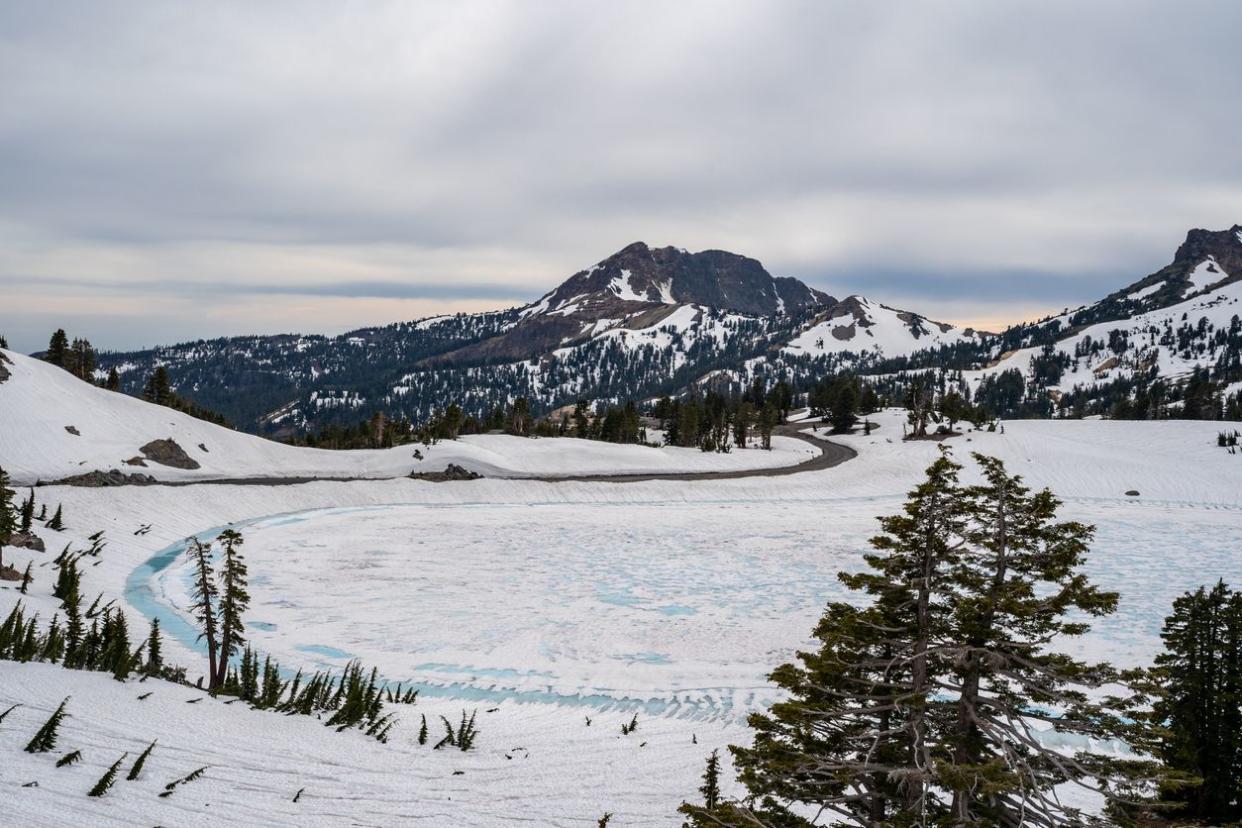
(975, 159)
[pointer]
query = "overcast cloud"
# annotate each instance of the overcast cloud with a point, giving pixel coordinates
(173, 170)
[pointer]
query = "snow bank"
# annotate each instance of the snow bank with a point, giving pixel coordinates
(40, 403)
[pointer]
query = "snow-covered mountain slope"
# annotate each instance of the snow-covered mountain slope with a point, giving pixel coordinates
(1176, 340)
(674, 600)
(56, 426)
(858, 325)
(1207, 258)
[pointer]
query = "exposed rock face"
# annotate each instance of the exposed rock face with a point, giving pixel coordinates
(168, 453)
(636, 287)
(100, 479)
(4, 372)
(451, 472)
(669, 275)
(27, 540)
(1218, 251)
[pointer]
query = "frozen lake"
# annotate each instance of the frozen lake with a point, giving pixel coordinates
(679, 609)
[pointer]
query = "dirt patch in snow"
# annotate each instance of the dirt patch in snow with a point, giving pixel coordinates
(168, 453)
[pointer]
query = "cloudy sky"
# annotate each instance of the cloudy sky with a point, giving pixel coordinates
(176, 170)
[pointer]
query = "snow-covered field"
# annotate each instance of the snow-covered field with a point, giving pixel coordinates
(547, 603)
(40, 403)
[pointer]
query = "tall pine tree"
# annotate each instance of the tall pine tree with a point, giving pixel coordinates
(204, 594)
(1200, 703)
(234, 600)
(924, 705)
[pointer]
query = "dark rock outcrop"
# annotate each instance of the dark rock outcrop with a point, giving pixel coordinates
(451, 472)
(713, 278)
(27, 540)
(168, 453)
(4, 372)
(100, 479)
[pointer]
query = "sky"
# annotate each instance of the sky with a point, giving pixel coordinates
(170, 171)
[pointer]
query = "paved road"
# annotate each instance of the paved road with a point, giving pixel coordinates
(831, 454)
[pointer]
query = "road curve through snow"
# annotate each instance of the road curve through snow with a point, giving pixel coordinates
(830, 454)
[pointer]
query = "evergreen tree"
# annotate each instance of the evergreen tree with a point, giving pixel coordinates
(1200, 704)
(45, 739)
(844, 408)
(918, 707)
(113, 382)
(26, 579)
(27, 513)
(58, 348)
(53, 643)
(105, 782)
(158, 389)
(1017, 579)
(155, 652)
(234, 600)
(8, 516)
(57, 522)
(204, 595)
(139, 762)
(80, 360)
(69, 759)
(710, 791)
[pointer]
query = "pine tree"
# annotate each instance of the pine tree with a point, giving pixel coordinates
(45, 739)
(234, 600)
(57, 522)
(1200, 704)
(58, 348)
(155, 652)
(422, 731)
(204, 594)
(26, 579)
(702, 816)
(917, 708)
(158, 390)
(8, 516)
(69, 759)
(113, 382)
(1017, 579)
(139, 762)
(844, 408)
(105, 782)
(27, 513)
(53, 643)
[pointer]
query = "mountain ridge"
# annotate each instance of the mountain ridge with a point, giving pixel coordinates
(647, 321)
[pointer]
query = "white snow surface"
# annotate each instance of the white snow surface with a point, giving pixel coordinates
(541, 604)
(1147, 337)
(39, 402)
(884, 332)
(1205, 274)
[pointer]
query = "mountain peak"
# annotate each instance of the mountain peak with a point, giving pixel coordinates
(639, 273)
